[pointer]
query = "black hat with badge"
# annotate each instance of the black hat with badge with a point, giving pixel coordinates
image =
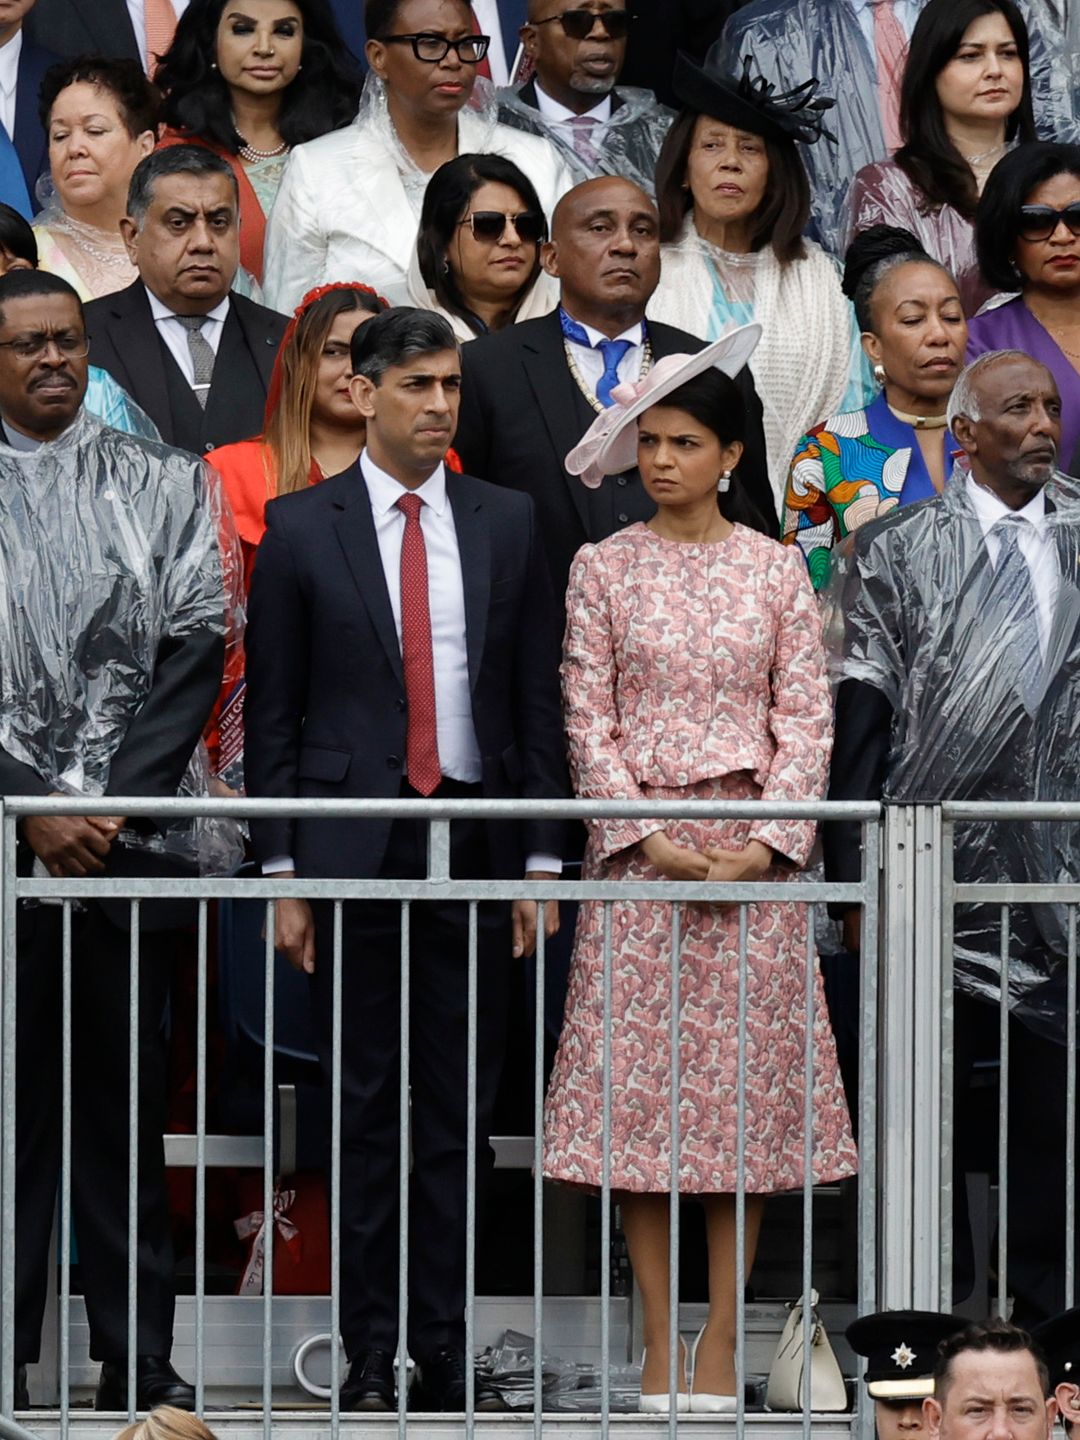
(901, 1350)
(1059, 1339)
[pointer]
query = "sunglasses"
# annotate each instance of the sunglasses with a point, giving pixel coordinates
(491, 225)
(433, 48)
(577, 24)
(1038, 222)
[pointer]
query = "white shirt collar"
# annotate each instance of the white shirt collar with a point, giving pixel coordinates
(553, 110)
(635, 335)
(384, 491)
(989, 509)
(161, 311)
(9, 63)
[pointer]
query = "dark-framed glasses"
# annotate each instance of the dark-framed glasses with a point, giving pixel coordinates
(1038, 222)
(577, 24)
(69, 343)
(491, 225)
(430, 48)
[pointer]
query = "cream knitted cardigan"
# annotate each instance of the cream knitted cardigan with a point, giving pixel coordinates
(801, 364)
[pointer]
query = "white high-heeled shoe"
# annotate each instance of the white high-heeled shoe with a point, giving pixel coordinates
(702, 1402)
(661, 1404)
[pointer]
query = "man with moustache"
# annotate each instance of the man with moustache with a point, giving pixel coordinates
(961, 677)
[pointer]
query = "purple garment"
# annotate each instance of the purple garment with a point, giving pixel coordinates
(1013, 327)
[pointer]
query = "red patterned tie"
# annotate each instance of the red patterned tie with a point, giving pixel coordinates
(422, 739)
(890, 53)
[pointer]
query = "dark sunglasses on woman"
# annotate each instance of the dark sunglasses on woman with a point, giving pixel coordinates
(1038, 222)
(490, 225)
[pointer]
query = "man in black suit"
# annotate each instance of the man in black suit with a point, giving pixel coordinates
(22, 69)
(577, 51)
(402, 642)
(531, 391)
(113, 660)
(89, 27)
(196, 357)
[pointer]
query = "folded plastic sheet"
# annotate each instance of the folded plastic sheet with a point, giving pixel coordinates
(108, 547)
(981, 710)
(627, 144)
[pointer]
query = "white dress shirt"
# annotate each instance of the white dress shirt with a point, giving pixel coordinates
(590, 362)
(137, 11)
(176, 336)
(9, 79)
(559, 115)
(459, 752)
(1035, 541)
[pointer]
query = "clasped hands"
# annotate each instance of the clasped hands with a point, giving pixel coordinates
(680, 862)
(72, 846)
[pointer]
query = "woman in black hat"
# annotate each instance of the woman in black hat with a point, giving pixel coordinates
(734, 200)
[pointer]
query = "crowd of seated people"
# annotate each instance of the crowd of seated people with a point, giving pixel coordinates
(545, 435)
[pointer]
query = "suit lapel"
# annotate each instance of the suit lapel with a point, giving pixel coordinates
(232, 369)
(474, 550)
(134, 338)
(1063, 631)
(356, 534)
(253, 333)
(548, 374)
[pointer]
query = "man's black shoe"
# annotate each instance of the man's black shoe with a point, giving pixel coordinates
(156, 1383)
(440, 1385)
(370, 1383)
(22, 1390)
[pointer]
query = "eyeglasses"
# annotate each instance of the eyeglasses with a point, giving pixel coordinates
(491, 225)
(471, 49)
(33, 347)
(577, 24)
(1038, 222)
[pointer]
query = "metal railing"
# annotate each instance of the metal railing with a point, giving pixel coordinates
(438, 883)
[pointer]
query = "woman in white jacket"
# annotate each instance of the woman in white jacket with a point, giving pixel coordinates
(349, 203)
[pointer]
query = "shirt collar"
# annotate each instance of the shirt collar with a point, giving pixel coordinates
(384, 491)
(161, 311)
(635, 335)
(9, 63)
(558, 112)
(989, 509)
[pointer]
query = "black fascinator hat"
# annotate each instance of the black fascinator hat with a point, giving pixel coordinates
(751, 103)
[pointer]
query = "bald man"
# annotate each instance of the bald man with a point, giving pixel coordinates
(530, 392)
(961, 681)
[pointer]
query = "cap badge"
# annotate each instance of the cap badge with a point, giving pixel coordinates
(902, 1356)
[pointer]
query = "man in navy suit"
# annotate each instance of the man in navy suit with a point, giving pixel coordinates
(23, 148)
(402, 642)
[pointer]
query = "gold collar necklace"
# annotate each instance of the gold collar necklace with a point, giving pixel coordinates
(919, 422)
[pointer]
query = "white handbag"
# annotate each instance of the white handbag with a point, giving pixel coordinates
(792, 1368)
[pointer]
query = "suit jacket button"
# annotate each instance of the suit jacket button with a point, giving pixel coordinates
(624, 519)
(399, 703)
(621, 480)
(209, 445)
(393, 762)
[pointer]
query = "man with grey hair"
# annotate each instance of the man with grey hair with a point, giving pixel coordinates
(195, 355)
(961, 681)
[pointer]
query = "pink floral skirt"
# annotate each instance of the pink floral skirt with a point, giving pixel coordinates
(776, 1080)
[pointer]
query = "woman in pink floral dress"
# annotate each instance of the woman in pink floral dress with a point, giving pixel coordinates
(693, 666)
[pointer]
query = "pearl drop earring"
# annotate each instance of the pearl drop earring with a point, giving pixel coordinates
(724, 483)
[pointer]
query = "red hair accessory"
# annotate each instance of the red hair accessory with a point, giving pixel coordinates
(273, 393)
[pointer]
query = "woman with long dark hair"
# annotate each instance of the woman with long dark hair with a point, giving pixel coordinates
(693, 669)
(250, 83)
(965, 98)
(477, 256)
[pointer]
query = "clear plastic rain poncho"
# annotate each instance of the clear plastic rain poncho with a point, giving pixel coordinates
(794, 40)
(945, 628)
(108, 546)
(627, 144)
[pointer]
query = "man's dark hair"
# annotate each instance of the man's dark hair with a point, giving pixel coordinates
(396, 336)
(25, 284)
(379, 15)
(138, 102)
(1011, 182)
(324, 95)
(173, 160)
(994, 1334)
(785, 208)
(17, 236)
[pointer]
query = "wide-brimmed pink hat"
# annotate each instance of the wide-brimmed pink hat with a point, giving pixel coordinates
(609, 446)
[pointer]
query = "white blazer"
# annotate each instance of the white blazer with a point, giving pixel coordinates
(341, 212)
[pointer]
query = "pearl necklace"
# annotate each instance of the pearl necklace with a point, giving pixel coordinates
(646, 366)
(92, 241)
(249, 152)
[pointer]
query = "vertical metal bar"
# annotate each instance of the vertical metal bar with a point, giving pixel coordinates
(673, 1224)
(268, 1175)
(133, 1154)
(1003, 1121)
(403, 1177)
(866, 1183)
(7, 1128)
(740, 1177)
(538, 1175)
(1070, 1118)
(65, 1173)
(470, 1187)
(200, 1164)
(335, 1176)
(946, 1079)
(605, 1191)
(808, 1172)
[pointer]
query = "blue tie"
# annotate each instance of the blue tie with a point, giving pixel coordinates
(13, 189)
(611, 350)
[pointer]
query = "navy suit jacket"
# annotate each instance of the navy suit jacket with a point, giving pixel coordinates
(84, 27)
(325, 711)
(29, 139)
